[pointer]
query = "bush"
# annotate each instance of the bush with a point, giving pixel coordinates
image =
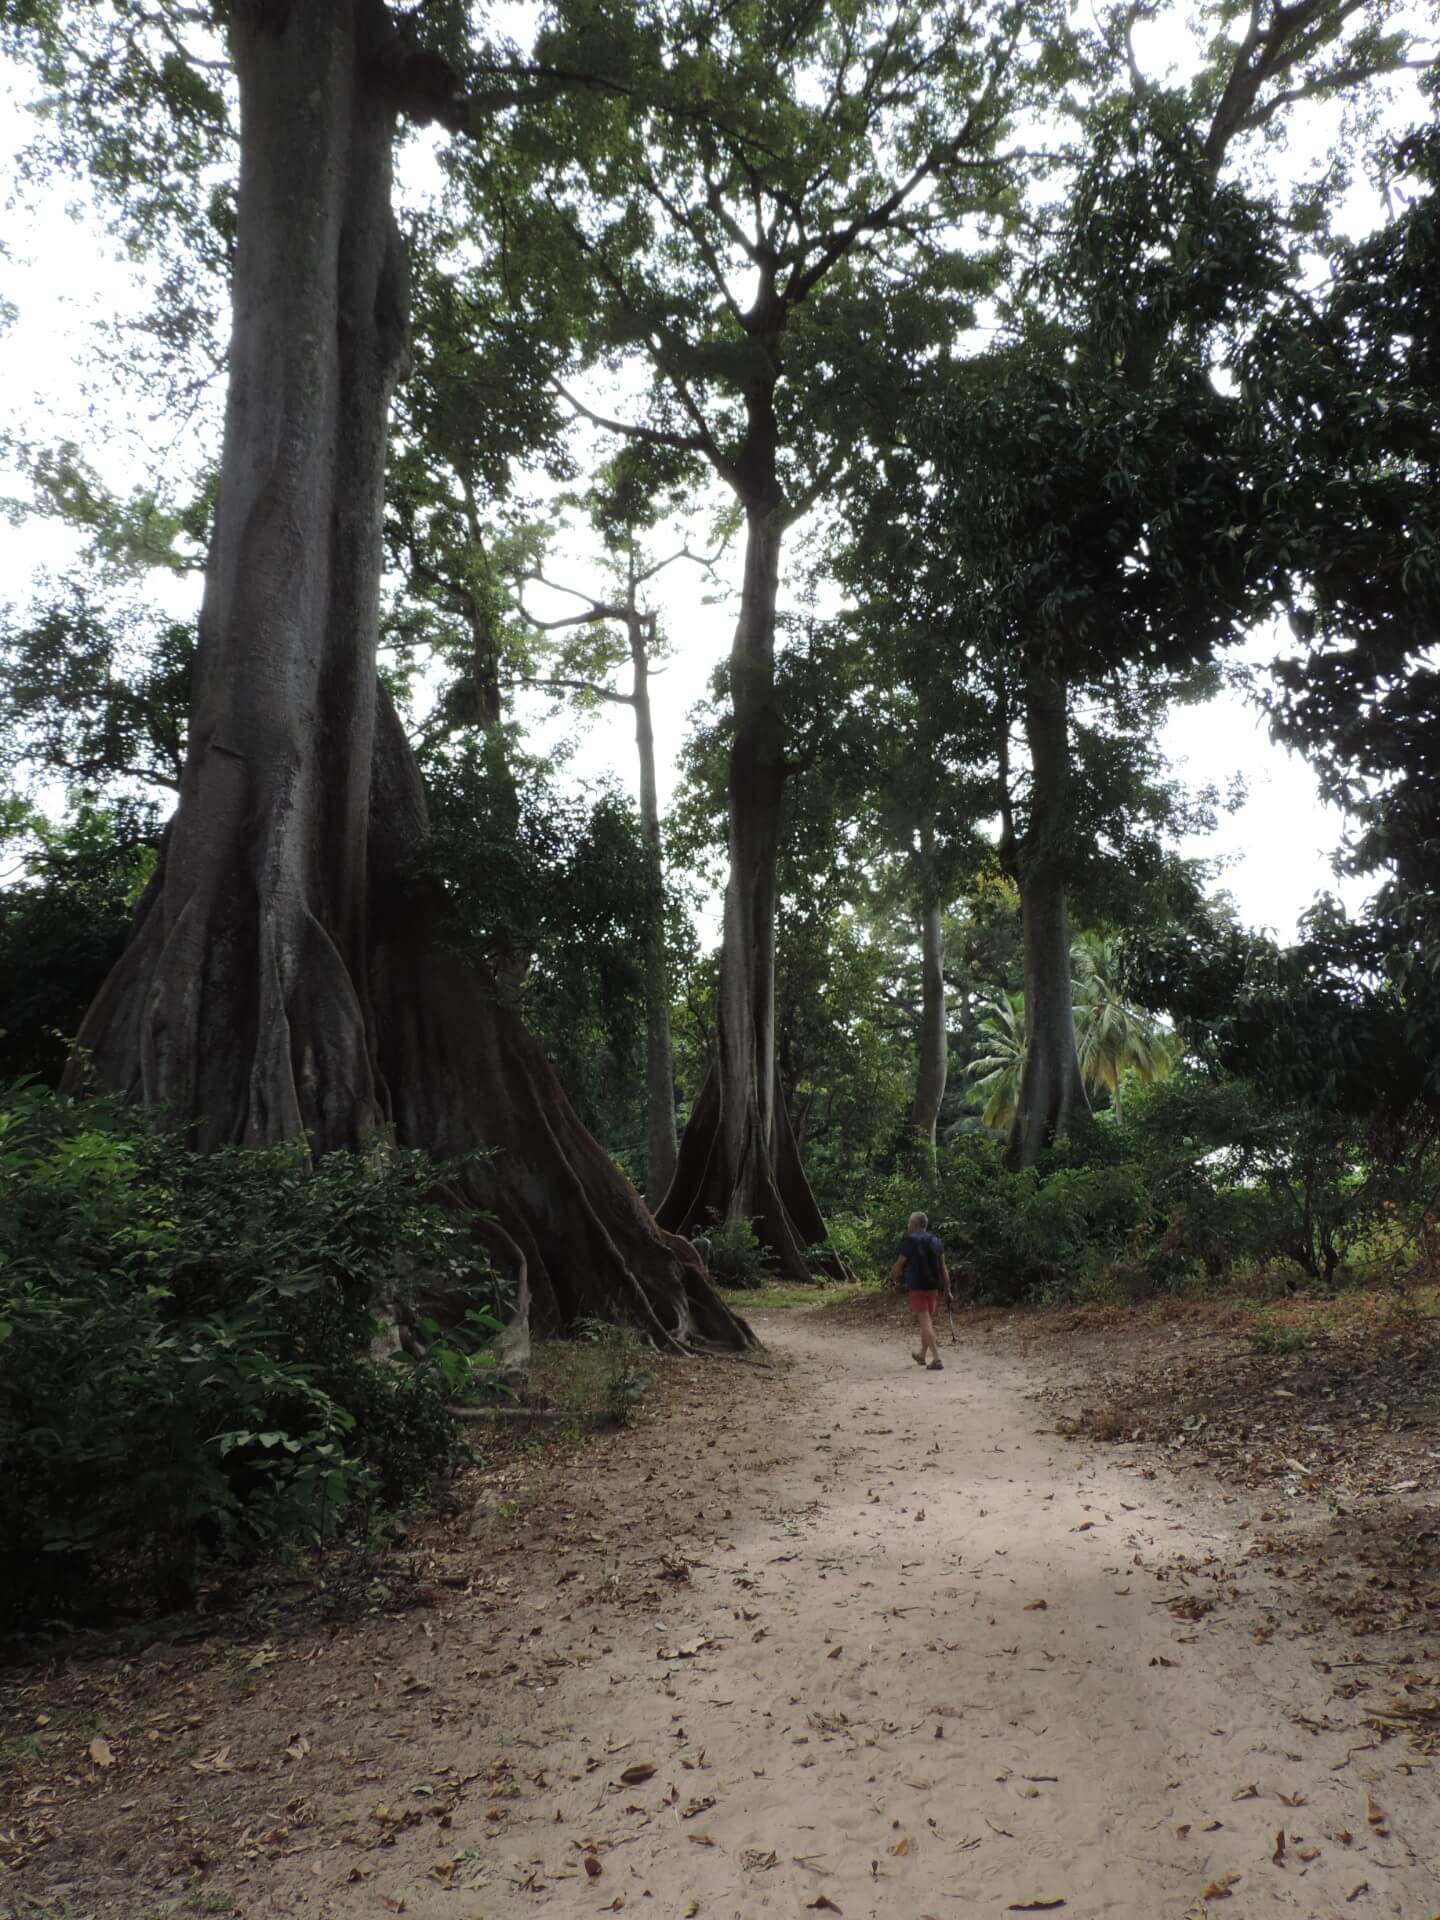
(185, 1348)
(1199, 1183)
(736, 1258)
(625, 1375)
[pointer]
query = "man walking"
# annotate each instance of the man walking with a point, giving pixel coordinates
(921, 1260)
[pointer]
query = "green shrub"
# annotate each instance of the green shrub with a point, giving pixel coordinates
(736, 1257)
(1268, 1336)
(1200, 1183)
(626, 1374)
(185, 1348)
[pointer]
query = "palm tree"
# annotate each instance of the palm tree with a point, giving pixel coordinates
(1112, 1038)
(997, 1074)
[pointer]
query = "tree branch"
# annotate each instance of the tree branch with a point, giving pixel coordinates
(877, 218)
(594, 687)
(649, 436)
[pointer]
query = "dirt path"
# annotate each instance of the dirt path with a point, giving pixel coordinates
(896, 1653)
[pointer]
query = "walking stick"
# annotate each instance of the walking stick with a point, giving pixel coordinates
(950, 1316)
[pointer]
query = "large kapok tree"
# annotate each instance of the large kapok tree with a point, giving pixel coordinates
(766, 217)
(288, 977)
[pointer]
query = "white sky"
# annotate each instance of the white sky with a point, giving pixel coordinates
(63, 275)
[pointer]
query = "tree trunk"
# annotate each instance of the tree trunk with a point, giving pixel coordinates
(1051, 1089)
(738, 1158)
(934, 1032)
(467, 1083)
(934, 1029)
(285, 979)
(659, 1054)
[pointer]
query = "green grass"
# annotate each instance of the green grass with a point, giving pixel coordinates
(791, 1297)
(604, 1370)
(1268, 1337)
(19, 1753)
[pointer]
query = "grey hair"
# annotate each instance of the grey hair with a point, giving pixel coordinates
(919, 1220)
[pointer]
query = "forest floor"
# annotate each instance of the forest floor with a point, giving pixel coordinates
(1123, 1614)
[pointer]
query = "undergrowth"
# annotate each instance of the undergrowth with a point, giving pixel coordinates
(187, 1351)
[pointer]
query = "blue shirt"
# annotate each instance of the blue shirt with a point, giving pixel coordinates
(922, 1254)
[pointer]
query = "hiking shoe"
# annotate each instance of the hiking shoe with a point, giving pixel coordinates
(918, 1358)
(937, 1366)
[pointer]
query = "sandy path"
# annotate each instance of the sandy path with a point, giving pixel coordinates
(924, 1663)
(884, 1714)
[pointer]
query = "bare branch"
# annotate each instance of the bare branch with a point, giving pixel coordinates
(688, 222)
(1352, 75)
(1263, 54)
(594, 687)
(598, 608)
(878, 217)
(649, 436)
(706, 562)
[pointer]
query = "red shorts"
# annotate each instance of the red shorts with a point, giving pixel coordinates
(923, 1302)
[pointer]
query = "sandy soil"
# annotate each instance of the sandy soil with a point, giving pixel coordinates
(834, 1635)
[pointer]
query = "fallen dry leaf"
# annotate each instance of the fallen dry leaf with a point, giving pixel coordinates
(393, 1906)
(1251, 1792)
(1307, 1854)
(100, 1752)
(702, 1839)
(1291, 1799)
(1278, 1856)
(1211, 1826)
(834, 1653)
(1219, 1889)
(640, 1770)
(1375, 1815)
(1045, 1904)
(901, 1847)
(1355, 1892)
(692, 1907)
(592, 1866)
(822, 1903)
(1181, 1832)
(1035, 1606)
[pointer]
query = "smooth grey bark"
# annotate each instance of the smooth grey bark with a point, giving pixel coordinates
(1051, 1089)
(934, 1059)
(659, 1047)
(286, 979)
(241, 1004)
(640, 634)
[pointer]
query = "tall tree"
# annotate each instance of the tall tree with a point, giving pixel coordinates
(1113, 1038)
(1096, 546)
(767, 216)
(621, 627)
(288, 977)
(1348, 383)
